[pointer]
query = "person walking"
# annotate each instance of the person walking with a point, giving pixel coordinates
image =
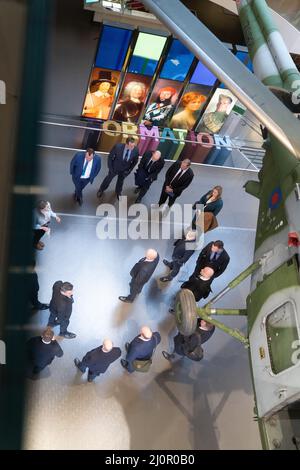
(98, 360)
(121, 160)
(140, 274)
(84, 168)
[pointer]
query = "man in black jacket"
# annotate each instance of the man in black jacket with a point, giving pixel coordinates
(200, 284)
(190, 346)
(41, 351)
(141, 348)
(61, 307)
(98, 360)
(121, 161)
(149, 167)
(140, 274)
(178, 177)
(182, 252)
(215, 256)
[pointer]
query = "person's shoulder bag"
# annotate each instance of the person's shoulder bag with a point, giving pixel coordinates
(144, 365)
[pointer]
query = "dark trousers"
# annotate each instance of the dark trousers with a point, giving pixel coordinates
(82, 367)
(108, 179)
(33, 297)
(54, 321)
(80, 184)
(175, 268)
(143, 190)
(164, 196)
(37, 235)
(135, 289)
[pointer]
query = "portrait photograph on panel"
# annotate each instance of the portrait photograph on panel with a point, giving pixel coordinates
(132, 98)
(162, 103)
(190, 106)
(100, 93)
(216, 113)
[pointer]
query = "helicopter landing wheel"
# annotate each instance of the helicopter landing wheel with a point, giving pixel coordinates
(186, 312)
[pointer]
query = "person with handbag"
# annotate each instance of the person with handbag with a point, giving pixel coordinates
(213, 203)
(149, 167)
(140, 351)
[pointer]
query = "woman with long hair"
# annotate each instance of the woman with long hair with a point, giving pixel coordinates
(212, 204)
(192, 103)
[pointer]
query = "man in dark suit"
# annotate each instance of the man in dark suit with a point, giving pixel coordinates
(98, 360)
(215, 256)
(200, 283)
(140, 274)
(190, 346)
(149, 167)
(61, 307)
(121, 161)
(84, 168)
(182, 252)
(41, 350)
(178, 177)
(141, 348)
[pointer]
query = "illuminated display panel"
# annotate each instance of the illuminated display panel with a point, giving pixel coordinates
(113, 47)
(203, 76)
(146, 54)
(217, 111)
(100, 93)
(162, 102)
(132, 98)
(177, 63)
(190, 106)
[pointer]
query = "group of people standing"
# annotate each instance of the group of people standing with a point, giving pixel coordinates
(211, 262)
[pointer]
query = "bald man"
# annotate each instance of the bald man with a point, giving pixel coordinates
(140, 348)
(140, 274)
(150, 166)
(200, 284)
(98, 360)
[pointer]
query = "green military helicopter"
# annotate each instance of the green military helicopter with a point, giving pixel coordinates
(273, 304)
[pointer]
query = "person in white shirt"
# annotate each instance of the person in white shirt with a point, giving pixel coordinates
(84, 168)
(178, 177)
(41, 221)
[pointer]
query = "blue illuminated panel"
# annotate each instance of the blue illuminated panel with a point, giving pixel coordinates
(177, 63)
(203, 76)
(113, 47)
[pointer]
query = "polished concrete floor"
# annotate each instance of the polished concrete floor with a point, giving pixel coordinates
(184, 405)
